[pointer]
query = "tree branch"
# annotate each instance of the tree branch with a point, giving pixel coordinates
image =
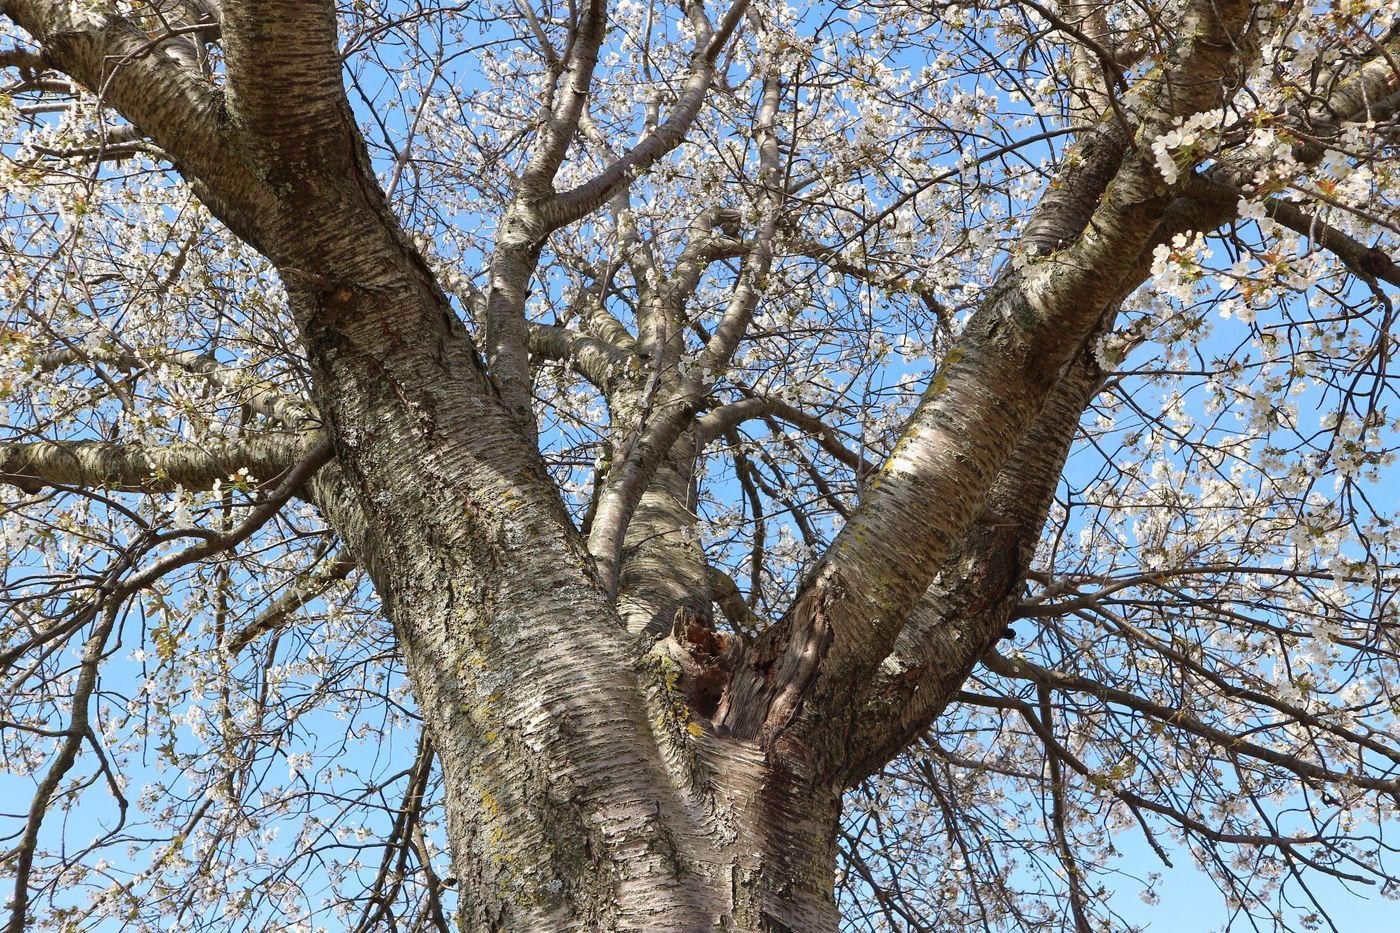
(652, 441)
(589, 196)
(149, 469)
(168, 101)
(1010, 356)
(718, 422)
(1021, 669)
(308, 588)
(300, 472)
(261, 397)
(966, 608)
(597, 360)
(560, 113)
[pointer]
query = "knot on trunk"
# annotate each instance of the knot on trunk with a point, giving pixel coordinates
(706, 659)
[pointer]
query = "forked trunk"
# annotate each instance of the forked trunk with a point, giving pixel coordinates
(585, 789)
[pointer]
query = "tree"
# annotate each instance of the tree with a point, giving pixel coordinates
(663, 414)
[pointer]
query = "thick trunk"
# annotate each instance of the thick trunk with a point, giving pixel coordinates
(517, 665)
(750, 847)
(581, 791)
(776, 844)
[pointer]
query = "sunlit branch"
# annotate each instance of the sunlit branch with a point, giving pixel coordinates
(147, 468)
(172, 103)
(575, 203)
(596, 360)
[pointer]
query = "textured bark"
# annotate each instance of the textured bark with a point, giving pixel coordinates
(169, 102)
(611, 761)
(1012, 353)
(578, 792)
(104, 465)
(966, 609)
(663, 569)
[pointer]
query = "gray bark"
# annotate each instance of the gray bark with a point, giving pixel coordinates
(610, 760)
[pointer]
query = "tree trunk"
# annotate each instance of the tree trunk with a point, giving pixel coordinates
(582, 790)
